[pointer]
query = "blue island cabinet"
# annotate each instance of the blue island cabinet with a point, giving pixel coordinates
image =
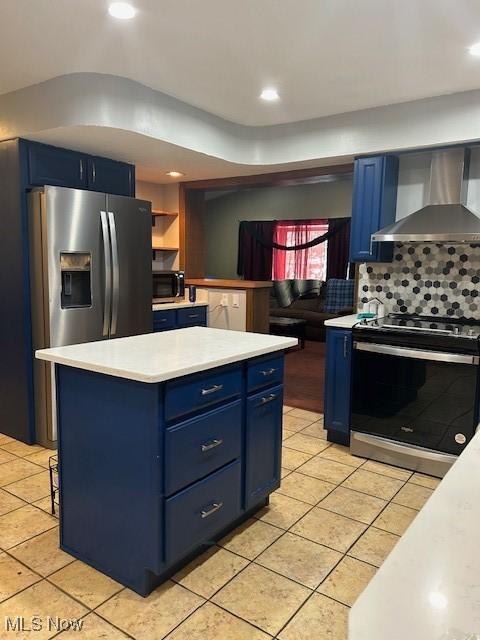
(153, 473)
(373, 207)
(338, 371)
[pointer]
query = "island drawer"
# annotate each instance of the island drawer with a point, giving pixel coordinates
(163, 320)
(200, 391)
(195, 448)
(196, 514)
(264, 373)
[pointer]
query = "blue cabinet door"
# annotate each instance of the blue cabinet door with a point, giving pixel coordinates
(263, 444)
(373, 207)
(338, 367)
(55, 166)
(164, 320)
(110, 176)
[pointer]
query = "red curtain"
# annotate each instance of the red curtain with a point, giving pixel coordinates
(305, 263)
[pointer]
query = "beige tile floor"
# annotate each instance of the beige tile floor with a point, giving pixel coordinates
(291, 572)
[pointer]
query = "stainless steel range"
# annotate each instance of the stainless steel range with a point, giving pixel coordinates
(415, 399)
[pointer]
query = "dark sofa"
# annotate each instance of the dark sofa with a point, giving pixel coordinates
(304, 299)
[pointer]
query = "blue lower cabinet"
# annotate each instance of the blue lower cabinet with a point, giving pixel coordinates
(192, 317)
(164, 320)
(338, 372)
(153, 473)
(179, 318)
(263, 444)
(196, 514)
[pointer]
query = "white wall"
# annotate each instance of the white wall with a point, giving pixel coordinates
(232, 315)
(414, 180)
(223, 214)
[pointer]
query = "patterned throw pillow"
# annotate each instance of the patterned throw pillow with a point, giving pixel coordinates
(339, 295)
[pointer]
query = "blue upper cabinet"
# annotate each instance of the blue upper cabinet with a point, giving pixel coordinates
(55, 166)
(110, 176)
(66, 168)
(373, 207)
(338, 368)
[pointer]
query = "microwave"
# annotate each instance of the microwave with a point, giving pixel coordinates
(168, 286)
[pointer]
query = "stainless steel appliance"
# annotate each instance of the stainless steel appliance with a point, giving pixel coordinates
(168, 286)
(415, 398)
(445, 217)
(90, 262)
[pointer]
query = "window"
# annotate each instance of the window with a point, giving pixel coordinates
(308, 263)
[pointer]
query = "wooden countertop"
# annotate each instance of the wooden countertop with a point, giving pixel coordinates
(230, 284)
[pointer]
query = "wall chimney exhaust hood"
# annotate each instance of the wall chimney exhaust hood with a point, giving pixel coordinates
(445, 219)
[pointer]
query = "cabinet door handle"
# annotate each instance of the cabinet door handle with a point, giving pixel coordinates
(162, 320)
(266, 399)
(211, 445)
(193, 315)
(209, 511)
(214, 389)
(268, 372)
(81, 170)
(345, 345)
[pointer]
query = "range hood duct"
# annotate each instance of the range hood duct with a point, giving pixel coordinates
(445, 219)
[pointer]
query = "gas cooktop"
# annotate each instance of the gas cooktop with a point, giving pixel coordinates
(459, 335)
(465, 328)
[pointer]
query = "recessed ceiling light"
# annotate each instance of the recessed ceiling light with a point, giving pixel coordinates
(474, 50)
(269, 94)
(175, 174)
(122, 10)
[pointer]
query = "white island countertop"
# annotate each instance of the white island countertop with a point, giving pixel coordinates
(429, 586)
(156, 357)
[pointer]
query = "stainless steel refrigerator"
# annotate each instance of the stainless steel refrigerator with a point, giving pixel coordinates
(91, 277)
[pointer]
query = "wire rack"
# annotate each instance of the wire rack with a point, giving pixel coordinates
(54, 485)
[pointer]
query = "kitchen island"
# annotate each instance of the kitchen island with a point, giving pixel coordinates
(166, 442)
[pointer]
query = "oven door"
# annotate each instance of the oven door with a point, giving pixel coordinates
(426, 399)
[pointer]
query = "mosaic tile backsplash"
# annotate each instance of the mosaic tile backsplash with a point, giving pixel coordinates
(427, 279)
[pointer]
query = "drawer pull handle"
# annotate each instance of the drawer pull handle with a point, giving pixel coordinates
(208, 512)
(162, 320)
(214, 389)
(267, 399)
(268, 372)
(211, 445)
(193, 315)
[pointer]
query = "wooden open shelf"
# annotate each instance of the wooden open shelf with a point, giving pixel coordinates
(157, 212)
(158, 248)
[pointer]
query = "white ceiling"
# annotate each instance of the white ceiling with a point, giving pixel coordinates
(325, 56)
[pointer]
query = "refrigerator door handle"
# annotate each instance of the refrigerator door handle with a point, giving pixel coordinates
(115, 273)
(108, 274)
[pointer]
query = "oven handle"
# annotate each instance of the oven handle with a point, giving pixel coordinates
(418, 354)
